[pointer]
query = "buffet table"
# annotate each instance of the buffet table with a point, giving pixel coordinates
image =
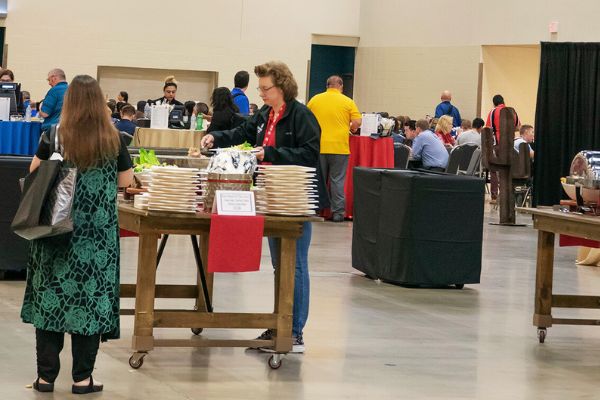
(179, 138)
(19, 137)
(150, 225)
(548, 223)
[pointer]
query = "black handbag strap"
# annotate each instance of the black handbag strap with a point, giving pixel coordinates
(54, 140)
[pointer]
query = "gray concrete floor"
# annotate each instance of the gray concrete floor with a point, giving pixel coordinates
(365, 339)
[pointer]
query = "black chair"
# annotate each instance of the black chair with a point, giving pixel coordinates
(460, 158)
(401, 155)
(521, 175)
(474, 165)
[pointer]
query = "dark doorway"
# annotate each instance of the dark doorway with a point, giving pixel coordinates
(331, 60)
(2, 36)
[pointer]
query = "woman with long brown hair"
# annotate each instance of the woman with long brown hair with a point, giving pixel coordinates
(73, 279)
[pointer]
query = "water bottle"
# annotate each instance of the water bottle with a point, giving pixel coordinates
(147, 111)
(28, 113)
(199, 120)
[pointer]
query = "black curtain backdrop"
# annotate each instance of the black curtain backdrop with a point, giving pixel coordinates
(567, 117)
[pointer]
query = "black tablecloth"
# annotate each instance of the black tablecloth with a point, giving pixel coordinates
(417, 228)
(13, 249)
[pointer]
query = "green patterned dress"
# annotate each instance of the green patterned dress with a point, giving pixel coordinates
(73, 279)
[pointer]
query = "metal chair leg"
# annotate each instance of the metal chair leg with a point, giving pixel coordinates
(200, 267)
(161, 248)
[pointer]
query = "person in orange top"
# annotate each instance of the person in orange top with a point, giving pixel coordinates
(443, 130)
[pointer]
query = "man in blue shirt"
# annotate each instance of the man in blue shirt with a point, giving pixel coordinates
(427, 147)
(446, 108)
(241, 80)
(53, 102)
(126, 124)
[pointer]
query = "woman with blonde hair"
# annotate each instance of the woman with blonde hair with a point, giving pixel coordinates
(169, 92)
(443, 130)
(73, 279)
(285, 132)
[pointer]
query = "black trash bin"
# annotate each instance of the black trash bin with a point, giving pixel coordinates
(418, 228)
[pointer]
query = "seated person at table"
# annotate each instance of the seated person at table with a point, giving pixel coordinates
(527, 136)
(427, 147)
(225, 112)
(410, 125)
(443, 130)
(114, 114)
(123, 97)
(202, 108)
(169, 92)
(188, 113)
(472, 136)
(7, 76)
(139, 110)
(253, 108)
(126, 124)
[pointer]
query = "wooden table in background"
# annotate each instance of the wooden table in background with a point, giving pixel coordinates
(548, 223)
(169, 138)
(150, 225)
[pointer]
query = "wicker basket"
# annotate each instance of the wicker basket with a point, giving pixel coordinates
(217, 181)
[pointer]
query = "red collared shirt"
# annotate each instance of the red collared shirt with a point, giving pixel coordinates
(269, 139)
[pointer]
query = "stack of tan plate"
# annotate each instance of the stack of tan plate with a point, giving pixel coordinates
(286, 190)
(173, 189)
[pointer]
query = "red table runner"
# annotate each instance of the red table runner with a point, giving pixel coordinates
(235, 243)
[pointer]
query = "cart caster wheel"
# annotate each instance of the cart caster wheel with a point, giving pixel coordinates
(136, 360)
(275, 361)
(541, 334)
(197, 331)
(459, 285)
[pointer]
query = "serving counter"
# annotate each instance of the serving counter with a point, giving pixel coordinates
(150, 225)
(548, 223)
(19, 137)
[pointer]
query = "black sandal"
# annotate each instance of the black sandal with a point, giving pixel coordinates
(91, 388)
(43, 387)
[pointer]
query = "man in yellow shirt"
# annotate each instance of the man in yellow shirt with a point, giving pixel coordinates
(338, 116)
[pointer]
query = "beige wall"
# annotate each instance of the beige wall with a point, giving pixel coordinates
(513, 72)
(223, 36)
(411, 50)
(141, 83)
(409, 80)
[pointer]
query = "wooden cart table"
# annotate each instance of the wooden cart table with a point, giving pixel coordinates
(549, 222)
(150, 225)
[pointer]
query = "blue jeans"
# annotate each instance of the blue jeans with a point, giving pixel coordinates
(301, 278)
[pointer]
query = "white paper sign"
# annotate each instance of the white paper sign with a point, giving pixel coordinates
(160, 117)
(370, 123)
(234, 202)
(4, 108)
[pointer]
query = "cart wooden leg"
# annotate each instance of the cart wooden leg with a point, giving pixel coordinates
(143, 340)
(542, 317)
(284, 295)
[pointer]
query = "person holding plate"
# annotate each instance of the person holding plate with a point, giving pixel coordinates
(285, 132)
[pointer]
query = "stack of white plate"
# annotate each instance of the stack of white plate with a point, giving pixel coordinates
(173, 189)
(286, 190)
